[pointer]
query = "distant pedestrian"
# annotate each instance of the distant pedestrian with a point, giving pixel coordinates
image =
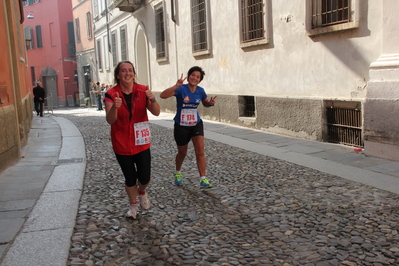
(188, 124)
(126, 107)
(39, 95)
(98, 94)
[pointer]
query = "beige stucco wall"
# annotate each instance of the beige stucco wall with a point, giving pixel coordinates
(290, 77)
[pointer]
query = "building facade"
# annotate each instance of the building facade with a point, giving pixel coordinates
(86, 72)
(15, 93)
(50, 44)
(317, 70)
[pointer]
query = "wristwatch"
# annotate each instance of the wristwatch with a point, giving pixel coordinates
(153, 100)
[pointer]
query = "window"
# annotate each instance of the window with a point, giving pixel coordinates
(113, 49)
(106, 51)
(160, 33)
(122, 33)
(200, 31)
(77, 30)
(95, 8)
(28, 38)
(253, 23)
(39, 36)
(246, 106)
(325, 16)
(33, 75)
(99, 57)
(329, 12)
(89, 26)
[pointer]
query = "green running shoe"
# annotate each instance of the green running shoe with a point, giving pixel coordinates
(178, 179)
(205, 183)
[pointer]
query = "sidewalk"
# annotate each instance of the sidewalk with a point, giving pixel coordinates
(39, 195)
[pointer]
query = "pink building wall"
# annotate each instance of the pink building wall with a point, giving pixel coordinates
(53, 17)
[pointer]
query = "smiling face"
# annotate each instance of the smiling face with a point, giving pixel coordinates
(124, 73)
(195, 78)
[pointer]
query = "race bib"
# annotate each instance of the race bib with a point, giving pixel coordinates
(188, 117)
(142, 133)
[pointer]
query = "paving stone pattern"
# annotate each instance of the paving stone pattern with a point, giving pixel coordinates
(262, 211)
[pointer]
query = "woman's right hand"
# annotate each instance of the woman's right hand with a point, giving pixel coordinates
(117, 101)
(180, 81)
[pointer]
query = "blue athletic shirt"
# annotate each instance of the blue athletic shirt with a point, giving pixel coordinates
(185, 99)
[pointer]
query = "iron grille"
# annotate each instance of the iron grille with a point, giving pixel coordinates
(330, 12)
(345, 126)
(252, 20)
(200, 42)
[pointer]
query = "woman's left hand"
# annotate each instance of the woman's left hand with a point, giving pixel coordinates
(149, 93)
(212, 101)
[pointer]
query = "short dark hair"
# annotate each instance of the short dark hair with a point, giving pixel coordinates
(98, 83)
(196, 68)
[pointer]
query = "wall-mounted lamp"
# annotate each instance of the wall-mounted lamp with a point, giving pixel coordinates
(30, 15)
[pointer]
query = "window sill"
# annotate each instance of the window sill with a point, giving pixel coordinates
(334, 28)
(201, 53)
(247, 119)
(254, 43)
(162, 60)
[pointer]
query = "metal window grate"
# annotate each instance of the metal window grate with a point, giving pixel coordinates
(246, 106)
(113, 50)
(200, 42)
(160, 33)
(252, 20)
(330, 12)
(100, 61)
(344, 126)
(123, 44)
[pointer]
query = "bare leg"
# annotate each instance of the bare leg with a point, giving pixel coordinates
(132, 193)
(181, 154)
(198, 142)
(142, 187)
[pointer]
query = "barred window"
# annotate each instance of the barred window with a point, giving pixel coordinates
(113, 49)
(330, 12)
(160, 33)
(252, 20)
(107, 50)
(99, 57)
(199, 27)
(122, 33)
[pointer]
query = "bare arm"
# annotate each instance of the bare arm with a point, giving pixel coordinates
(209, 103)
(152, 105)
(171, 91)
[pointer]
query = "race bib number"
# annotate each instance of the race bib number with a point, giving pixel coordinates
(142, 133)
(188, 117)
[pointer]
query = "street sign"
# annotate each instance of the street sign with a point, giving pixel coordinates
(66, 78)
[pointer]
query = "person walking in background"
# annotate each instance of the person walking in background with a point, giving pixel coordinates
(39, 95)
(188, 124)
(99, 96)
(126, 107)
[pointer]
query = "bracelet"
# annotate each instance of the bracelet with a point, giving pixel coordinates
(153, 100)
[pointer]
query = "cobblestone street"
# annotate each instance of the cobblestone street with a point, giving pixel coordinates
(261, 211)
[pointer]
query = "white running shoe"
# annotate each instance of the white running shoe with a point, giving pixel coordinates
(144, 202)
(132, 212)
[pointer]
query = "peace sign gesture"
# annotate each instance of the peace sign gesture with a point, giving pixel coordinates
(180, 81)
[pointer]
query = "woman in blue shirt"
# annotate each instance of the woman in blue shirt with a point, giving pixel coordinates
(188, 124)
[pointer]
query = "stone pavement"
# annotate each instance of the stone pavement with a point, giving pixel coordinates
(276, 201)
